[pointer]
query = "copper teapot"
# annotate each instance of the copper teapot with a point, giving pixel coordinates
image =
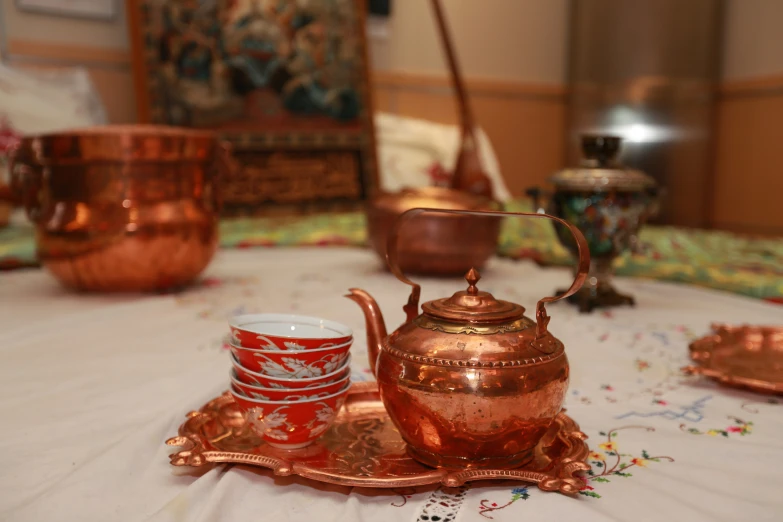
(471, 382)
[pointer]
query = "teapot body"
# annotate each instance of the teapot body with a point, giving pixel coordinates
(471, 382)
(457, 409)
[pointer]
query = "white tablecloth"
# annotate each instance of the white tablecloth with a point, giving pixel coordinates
(92, 386)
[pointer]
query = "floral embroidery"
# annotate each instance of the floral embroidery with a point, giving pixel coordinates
(594, 455)
(405, 494)
(692, 412)
(519, 493)
(216, 298)
(740, 427)
(292, 367)
(642, 365)
(613, 463)
(607, 446)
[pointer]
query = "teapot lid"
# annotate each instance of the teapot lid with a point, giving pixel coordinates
(473, 306)
(600, 169)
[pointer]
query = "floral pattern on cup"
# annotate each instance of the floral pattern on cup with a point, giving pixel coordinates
(276, 425)
(256, 395)
(288, 394)
(271, 425)
(247, 376)
(293, 367)
(302, 364)
(265, 343)
(323, 419)
(290, 425)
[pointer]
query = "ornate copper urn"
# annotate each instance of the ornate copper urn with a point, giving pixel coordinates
(608, 202)
(471, 382)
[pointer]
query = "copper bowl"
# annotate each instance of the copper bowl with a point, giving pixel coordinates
(435, 244)
(122, 208)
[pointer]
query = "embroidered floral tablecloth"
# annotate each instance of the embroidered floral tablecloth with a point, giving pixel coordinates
(720, 260)
(92, 386)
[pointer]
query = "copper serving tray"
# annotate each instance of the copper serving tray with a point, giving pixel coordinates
(364, 449)
(749, 357)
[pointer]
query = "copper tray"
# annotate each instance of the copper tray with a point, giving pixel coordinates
(364, 449)
(749, 357)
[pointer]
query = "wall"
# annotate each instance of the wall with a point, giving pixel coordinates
(511, 51)
(513, 55)
(39, 40)
(26, 25)
(513, 40)
(749, 161)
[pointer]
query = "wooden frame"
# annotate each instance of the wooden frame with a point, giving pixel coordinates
(71, 11)
(288, 162)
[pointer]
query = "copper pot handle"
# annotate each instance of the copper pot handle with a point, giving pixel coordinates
(411, 309)
(23, 187)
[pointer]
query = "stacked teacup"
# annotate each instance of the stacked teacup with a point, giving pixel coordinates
(290, 375)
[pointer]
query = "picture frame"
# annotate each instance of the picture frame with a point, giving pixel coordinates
(286, 85)
(101, 10)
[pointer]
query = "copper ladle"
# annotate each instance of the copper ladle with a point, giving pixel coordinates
(468, 174)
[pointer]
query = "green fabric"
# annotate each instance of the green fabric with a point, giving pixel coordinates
(724, 261)
(17, 247)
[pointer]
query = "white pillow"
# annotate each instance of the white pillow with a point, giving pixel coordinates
(409, 147)
(40, 101)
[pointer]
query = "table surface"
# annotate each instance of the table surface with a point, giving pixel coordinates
(92, 386)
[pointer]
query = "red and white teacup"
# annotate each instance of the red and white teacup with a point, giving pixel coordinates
(299, 364)
(291, 424)
(283, 394)
(287, 332)
(267, 381)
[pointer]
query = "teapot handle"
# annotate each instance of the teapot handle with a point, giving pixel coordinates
(411, 309)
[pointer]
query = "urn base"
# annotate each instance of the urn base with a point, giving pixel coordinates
(602, 295)
(598, 291)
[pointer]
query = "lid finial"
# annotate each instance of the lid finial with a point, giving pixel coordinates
(472, 277)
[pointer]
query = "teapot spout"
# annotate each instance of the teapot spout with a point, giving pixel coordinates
(376, 328)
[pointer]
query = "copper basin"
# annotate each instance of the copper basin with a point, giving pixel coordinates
(435, 244)
(122, 208)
